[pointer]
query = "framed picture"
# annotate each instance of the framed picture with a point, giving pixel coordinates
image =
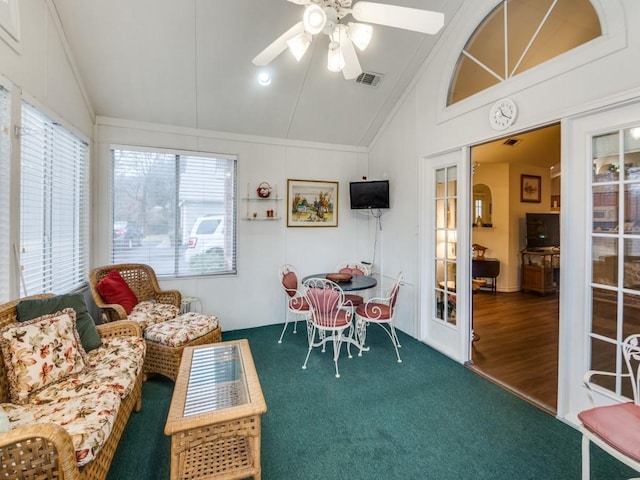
(530, 186)
(312, 203)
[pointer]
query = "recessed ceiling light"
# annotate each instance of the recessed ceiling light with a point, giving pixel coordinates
(264, 79)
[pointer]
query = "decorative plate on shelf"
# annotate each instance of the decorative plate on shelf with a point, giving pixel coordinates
(339, 277)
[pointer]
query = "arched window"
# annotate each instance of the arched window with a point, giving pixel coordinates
(518, 35)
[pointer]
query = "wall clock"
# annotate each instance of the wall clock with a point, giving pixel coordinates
(503, 114)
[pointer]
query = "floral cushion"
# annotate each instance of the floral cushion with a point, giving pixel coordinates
(149, 313)
(40, 352)
(87, 418)
(182, 329)
(112, 367)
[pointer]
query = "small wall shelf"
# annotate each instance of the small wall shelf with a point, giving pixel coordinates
(257, 208)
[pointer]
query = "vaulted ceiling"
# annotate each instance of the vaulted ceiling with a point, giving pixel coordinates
(187, 63)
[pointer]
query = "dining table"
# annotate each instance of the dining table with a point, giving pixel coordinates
(357, 282)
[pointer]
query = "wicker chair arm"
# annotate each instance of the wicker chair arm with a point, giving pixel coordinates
(172, 297)
(119, 328)
(113, 311)
(39, 449)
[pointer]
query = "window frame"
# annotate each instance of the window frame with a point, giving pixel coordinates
(232, 239)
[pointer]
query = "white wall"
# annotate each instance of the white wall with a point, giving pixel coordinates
(597, 75)
(42, 68)
(254, 296)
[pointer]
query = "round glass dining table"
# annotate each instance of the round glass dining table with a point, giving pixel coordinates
(357, 282)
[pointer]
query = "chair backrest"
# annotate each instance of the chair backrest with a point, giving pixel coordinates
(354, 268)
(326, 301)
(393, 295)
(140, 277)
(631, 354)
(289, 279)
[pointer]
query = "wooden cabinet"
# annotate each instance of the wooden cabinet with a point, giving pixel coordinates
(540, 271)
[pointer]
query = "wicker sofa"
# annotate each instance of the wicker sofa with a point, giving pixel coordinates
(37, 447)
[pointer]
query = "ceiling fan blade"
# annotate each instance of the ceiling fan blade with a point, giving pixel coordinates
(352, 66)
(299, 2)
(423, 21)
(266, 56)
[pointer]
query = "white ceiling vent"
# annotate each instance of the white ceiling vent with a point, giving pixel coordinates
(369, 79)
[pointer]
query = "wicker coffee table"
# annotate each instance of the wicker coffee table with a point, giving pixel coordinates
(215, 413)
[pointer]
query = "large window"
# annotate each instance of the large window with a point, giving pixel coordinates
(615, 247)
(175, 212)
(5, 144)
(54, 206)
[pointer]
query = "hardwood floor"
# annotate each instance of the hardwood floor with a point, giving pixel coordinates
(517, 345)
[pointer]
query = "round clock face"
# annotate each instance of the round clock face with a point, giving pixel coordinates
(503, 114)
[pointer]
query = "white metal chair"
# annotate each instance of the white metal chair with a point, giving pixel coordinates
(296, 302)
(354, 268)
(329, 318)
(615, 428)
(379, 310)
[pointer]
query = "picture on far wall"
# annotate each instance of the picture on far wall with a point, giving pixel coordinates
(312, 203)
(530, 186)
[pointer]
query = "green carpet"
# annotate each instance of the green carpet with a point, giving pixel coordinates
(425, 418)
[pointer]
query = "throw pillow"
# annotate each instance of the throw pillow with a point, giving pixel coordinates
(40, 352)
(114, 289)
(33, 308)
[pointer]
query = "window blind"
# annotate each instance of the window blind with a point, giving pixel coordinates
(54, 220)
(175, 212)
(5, 162)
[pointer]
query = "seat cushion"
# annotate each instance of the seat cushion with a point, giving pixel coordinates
(87, 418)
(333, 319)
(353, 300)
(618, 425)
(41, 352)
(149, 313)
(36, 307)
(374, 311)
(114, 289)
(113, 367)
(181, 330)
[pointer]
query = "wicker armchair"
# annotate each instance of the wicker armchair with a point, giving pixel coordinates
(141, 279)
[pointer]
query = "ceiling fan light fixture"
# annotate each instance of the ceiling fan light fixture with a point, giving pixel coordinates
(335, 59)
(314, 19)
(360, 34)
(298, 45)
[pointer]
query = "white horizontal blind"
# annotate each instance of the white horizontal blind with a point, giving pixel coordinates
(54, 220)
(5, 147)
(160, 199)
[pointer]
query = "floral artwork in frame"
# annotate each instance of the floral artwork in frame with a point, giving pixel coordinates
(312, 203)
(530, 186)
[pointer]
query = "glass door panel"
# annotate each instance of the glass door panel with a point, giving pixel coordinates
(445, 236)
(615, 250)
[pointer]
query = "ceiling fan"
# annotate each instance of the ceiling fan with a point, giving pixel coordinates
(324, 16)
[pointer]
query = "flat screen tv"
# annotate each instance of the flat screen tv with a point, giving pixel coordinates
(543, 230)
(372, 194)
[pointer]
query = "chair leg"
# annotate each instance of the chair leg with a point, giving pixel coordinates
(286, 322)
(337, 343)
(395, 341)
(361, 335)
(585, 458)
(311, 337)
